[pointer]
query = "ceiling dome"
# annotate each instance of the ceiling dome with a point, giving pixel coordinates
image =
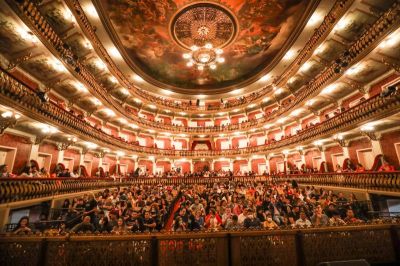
(154, 35)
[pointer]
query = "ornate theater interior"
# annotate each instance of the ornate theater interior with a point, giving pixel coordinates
(218, 132)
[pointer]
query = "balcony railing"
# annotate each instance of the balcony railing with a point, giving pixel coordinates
(385, 24)
(18, 189)
(20, 97)
(377, 243)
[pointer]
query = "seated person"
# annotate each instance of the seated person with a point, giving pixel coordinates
(303, 220)
(84, 226)
(120, 228)
(360, 168)
(351, 218)
(336, 220)
(22, 226)
(386, 167)
(4, 172)
(319, 218)
(251, 220)
(233, 224)
(269, 223)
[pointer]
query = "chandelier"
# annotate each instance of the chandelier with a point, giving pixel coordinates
(204, 57)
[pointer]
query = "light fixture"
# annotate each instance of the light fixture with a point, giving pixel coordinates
(95, 101)
(9, 114)
(329, 89)
(120, 153)
(114, 52)
(108, 112)
(26, 34)
(204, 57)
(265, 78)
(122, 120)
(57, 65)
(113, 79)
(289, 55)
(137, 78)
(367, 128)
(306, 66)
(91, 145)
(315, 19)
(100, 64)
(124, 91)
(48, 129)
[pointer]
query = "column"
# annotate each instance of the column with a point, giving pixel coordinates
(231, 165)
(153, 160)
(285, 163)
(249, 164)
(212, 165)
(100, 162)
(82, 158)
(34, 155)
(191, 166)
(346, 152)
(376, 147)
(268, 162)
(60, 156)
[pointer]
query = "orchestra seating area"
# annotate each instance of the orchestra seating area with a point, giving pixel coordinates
(218, 132)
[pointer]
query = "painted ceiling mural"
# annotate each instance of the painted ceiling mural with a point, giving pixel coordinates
(259, 30)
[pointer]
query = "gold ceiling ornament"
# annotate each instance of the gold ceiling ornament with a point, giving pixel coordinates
(204, 29)
(205, 56)
(204, 23)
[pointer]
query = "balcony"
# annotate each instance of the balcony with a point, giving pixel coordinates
(376, 243)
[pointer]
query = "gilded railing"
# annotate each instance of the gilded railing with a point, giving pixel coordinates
(17, 189)
(337, 11)
(26, 101)
(359, 49)
(377, 243)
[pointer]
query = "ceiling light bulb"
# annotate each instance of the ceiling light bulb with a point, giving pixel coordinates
(220, 59)
(200, 68)
(289, 55)
(7, 114)
(189, 64)
(194, 48)
(208, 46)
(186, 56)
(213, 66)
(219, 51)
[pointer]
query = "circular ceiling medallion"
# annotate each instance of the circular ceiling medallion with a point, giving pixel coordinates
(202, 23)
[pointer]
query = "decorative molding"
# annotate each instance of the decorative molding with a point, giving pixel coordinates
(7, 122)
(100, 154)
(17, 61)
(373, 136)
(40, 138)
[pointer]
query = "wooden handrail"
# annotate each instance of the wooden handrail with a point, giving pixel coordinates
(304, 246)
(19, 189)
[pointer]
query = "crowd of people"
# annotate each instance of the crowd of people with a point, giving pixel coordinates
(133, 209)
(228, 205)
(264, 205)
